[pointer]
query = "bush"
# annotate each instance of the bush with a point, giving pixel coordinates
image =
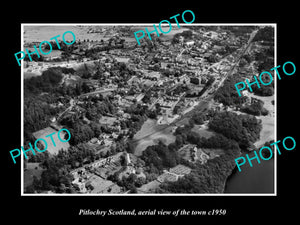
(256, 109)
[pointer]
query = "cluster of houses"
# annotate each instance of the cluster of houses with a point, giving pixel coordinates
(92, 178)
(171, 175)
(160, 72)
(192, 153)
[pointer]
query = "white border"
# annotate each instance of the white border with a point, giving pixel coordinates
(148, 24)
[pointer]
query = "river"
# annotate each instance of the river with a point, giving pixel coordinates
(256, 179)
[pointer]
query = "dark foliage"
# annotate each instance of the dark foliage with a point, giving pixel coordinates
(209, 177)
(56, 175)
(227, 94)
(44, 83)
(255, 108)
(160, 156)
(265, 34)
(245, 129)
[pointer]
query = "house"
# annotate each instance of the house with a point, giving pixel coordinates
(139, 97)
(153, 75)
(189, 43)
(81, 186)
(163, 65)
(95, 141)
(134, 80)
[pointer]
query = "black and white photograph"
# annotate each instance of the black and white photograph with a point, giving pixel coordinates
(170, 114)
(153, 115)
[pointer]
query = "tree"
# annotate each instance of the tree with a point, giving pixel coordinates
(96, 127)
(245, 129)
(264, 34)
(255, 108)
(129, 147)
(85, 88)
(198, 118)
(211, 176)
(227, 94)
(194, 80)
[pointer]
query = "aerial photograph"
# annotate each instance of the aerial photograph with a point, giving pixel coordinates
(157, 116)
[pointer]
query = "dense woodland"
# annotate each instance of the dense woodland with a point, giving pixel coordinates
(38, 95)
(245, 129)
(227, 94)
(256, 108)
(233, 133)
(265, 34)
(56, 175)
(265, 59)
(209, 177)
(83, 124)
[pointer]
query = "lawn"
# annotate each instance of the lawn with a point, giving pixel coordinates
(51, 148)
(268, 122)
(32, 169)
(203, 131)
(166, 136)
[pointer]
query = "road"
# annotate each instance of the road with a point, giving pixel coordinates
(97, 92)
(67, 109)
(206, 98)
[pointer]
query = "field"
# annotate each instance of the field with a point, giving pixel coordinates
(149, 135)
(203, 131)
(268, 122)
(32, 169)
(51, 148)
(44, 33)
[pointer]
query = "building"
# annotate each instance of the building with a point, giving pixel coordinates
(189, 43)
(200, 155)
(95, 141)
(153, 75)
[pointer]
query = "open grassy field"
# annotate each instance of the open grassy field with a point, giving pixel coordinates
(164, 136)
(58, 144)
(148, 127)
(44, 33)
(203, 131)
(149, 135)
(268, 122)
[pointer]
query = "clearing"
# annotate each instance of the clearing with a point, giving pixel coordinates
(150, 134)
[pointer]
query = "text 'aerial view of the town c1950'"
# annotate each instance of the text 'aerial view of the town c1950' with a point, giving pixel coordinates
(159, 118)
